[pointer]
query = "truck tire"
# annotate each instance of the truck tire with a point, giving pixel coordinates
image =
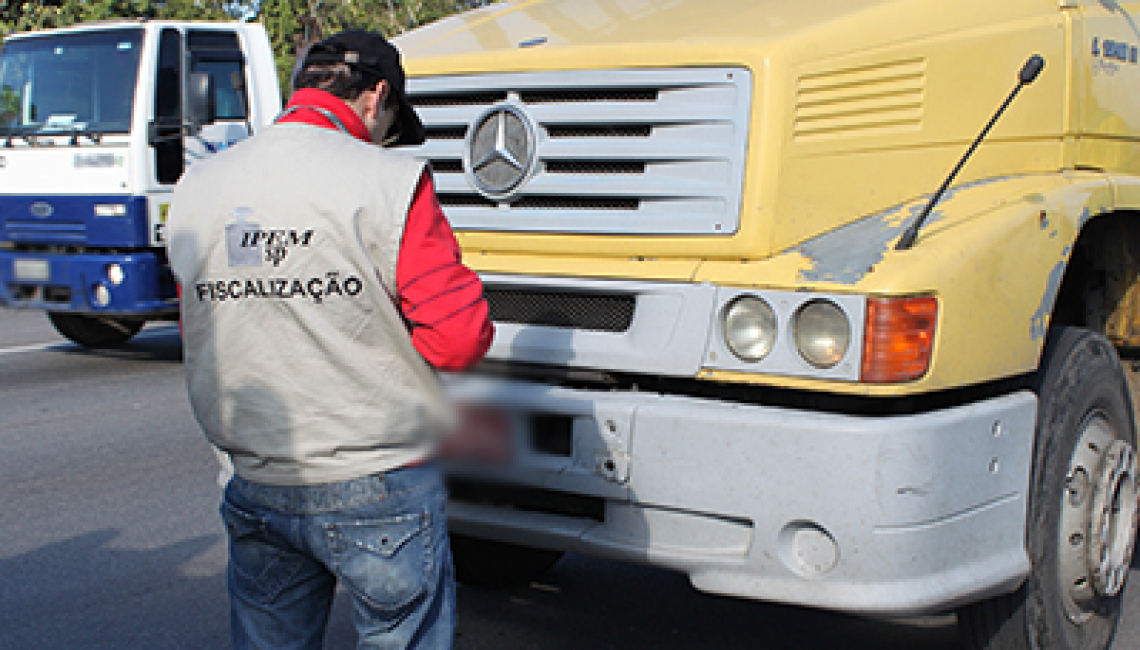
(497, 565)
(1081, 527)
(95, 331)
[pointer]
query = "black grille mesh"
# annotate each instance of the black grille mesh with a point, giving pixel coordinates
(453, 166)
(457, 99)
(464, 201)
(589, 95)
(610, 203)
(595, 167)
(603, 312)
(447, 166)
(445, 132)
(599, 130)
(575, 203)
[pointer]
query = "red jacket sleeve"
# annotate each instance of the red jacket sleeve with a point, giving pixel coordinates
(438, 295)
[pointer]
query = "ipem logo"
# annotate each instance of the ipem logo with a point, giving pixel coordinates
(276, 243)
(248, 244)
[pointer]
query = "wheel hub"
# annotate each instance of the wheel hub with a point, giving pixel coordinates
(1098, 518)
(1114, 519)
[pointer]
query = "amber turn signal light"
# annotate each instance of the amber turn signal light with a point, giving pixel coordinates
(898, 338)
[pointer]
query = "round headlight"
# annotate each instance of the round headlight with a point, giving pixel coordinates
(822, 333)
(116, 274)
(749, 328)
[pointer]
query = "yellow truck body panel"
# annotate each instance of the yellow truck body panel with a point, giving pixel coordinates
(859, 110)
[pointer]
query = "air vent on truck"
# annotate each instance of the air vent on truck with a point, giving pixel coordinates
(602, 312)
(872, 100)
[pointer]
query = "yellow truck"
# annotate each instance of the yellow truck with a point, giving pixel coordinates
(742, 335)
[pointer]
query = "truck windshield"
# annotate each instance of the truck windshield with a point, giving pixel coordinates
(69, 83)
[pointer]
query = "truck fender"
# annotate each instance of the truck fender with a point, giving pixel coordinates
(997, 254)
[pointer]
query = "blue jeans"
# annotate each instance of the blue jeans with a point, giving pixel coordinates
(384, 537)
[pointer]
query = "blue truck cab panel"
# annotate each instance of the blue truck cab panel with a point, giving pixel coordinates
(86, 254)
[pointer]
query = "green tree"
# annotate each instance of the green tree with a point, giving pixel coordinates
(389, 17)
(293, 23)
(9, 105)
(20, 16)
(289, 22)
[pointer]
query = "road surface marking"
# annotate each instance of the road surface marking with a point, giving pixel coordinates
(146, 334)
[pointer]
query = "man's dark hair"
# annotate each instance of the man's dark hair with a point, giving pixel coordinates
(353, 61)
(341, 80)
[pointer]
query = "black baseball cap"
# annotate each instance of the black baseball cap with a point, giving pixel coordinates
(372, 53)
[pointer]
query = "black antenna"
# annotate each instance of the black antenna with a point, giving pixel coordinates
(1028, 75)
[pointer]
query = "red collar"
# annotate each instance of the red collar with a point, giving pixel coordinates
(310, 98)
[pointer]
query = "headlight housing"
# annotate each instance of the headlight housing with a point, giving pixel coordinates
(828, 336)
(750, 328)
(899, 339)
(822, 333)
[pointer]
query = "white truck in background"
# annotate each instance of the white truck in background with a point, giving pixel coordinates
(97, 123)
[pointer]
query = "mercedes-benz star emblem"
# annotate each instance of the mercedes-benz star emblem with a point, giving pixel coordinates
(500, 151)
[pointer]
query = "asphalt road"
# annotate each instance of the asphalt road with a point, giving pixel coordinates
(109, 536)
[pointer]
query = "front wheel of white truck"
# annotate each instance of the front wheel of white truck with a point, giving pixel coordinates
(1081, 529)
(95, 331)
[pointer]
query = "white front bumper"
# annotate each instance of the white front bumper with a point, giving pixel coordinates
(877, 515)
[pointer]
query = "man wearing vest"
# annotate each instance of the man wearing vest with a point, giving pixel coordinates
(321, 289)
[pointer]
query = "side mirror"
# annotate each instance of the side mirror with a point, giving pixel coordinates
(200, 99)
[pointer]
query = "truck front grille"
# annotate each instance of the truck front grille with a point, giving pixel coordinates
(645, 151)
(603, 312)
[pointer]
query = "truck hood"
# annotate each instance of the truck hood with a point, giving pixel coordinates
(853, 106)
(510, 25)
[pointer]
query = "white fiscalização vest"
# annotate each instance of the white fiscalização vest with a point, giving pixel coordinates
(298, 362)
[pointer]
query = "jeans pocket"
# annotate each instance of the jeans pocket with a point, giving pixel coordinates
(259, 569)
(386, 562)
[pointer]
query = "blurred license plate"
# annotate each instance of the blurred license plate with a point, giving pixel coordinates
(33, 270)
(484, 436)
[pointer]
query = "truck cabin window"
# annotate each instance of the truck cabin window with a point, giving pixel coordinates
(228, 84)
(218, 53)
(81, 83)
